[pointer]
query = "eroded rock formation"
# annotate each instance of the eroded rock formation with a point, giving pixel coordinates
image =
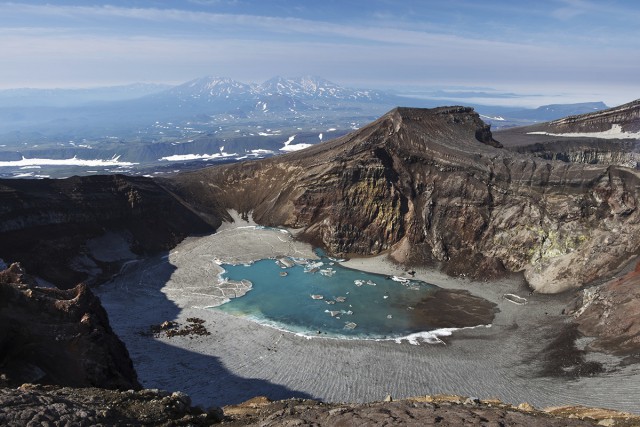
(611, 314)
(440, 410)
(54, 336)
(432, 186)
(626, 115)
(89, 407)
(546, 140)
(47, 224)
(49, 405)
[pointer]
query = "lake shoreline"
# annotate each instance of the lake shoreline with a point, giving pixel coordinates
(241, 359)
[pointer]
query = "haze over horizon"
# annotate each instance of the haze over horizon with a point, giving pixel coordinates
(552, 51)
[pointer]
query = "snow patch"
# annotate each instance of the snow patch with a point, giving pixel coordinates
(183, 157)
(615, 132)
(295, 147)
(498, 118)
(74, 161)
(290, 140)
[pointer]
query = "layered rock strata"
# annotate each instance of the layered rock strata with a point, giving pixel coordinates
(54, 336)
(602, 137)
(432, 186)
(47, 225)
(610, 313)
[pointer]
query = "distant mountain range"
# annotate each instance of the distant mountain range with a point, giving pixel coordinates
(208, 119)
(28, 97)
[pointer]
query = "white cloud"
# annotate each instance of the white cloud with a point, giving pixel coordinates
(124, 44)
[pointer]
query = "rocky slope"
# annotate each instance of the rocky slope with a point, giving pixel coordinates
(608, 137)
(50, 405)
(54, 336)
(610, 313)
(441, 410)
(82, 228)
(433, 186)
(88, 407)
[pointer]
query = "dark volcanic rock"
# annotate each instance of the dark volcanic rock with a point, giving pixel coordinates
(439, 410)
(54, 336)
(38, 405)
(611, 313)
(429, 186)
(48, 405)
(583, 149)
(45, 224)
(626, 115)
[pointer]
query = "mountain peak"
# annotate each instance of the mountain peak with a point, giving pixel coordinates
(313, 87)
(212, 86)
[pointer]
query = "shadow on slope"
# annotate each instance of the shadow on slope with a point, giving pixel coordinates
(135, 302)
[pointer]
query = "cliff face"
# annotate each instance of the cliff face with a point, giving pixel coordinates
(611, 314)
(432, 186)
(59, 337)
(46, 224)
(548, 140)
(588, 150)
(626, 115)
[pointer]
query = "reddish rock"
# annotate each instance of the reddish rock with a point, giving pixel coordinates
(611, 314)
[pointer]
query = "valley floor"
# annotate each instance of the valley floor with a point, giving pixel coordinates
(241, 359)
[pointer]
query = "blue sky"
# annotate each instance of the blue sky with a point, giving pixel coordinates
(549, 50)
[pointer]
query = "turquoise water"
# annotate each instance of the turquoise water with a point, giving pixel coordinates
(326, 298)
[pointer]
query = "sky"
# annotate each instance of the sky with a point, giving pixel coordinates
(512, 51)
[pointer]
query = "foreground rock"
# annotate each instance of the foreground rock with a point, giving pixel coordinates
(441, 410)
(432, 186)
(47, 405)
(54, 336)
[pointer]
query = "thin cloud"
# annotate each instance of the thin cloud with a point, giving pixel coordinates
(571, 9)
(100, 44)
(253, 23)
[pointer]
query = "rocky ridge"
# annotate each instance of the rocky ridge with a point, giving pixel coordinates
(610, 313)
(626, 115)
(91, 406)
(448, 410)
(55, 336)
(432, 186)
(54, 227)
(546, 140)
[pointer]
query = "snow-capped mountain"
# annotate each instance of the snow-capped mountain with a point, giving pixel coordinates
(300, 88)
(309, 87)
(279, 95)
(212, 87)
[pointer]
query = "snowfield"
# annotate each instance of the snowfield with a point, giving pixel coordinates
(615, 132)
